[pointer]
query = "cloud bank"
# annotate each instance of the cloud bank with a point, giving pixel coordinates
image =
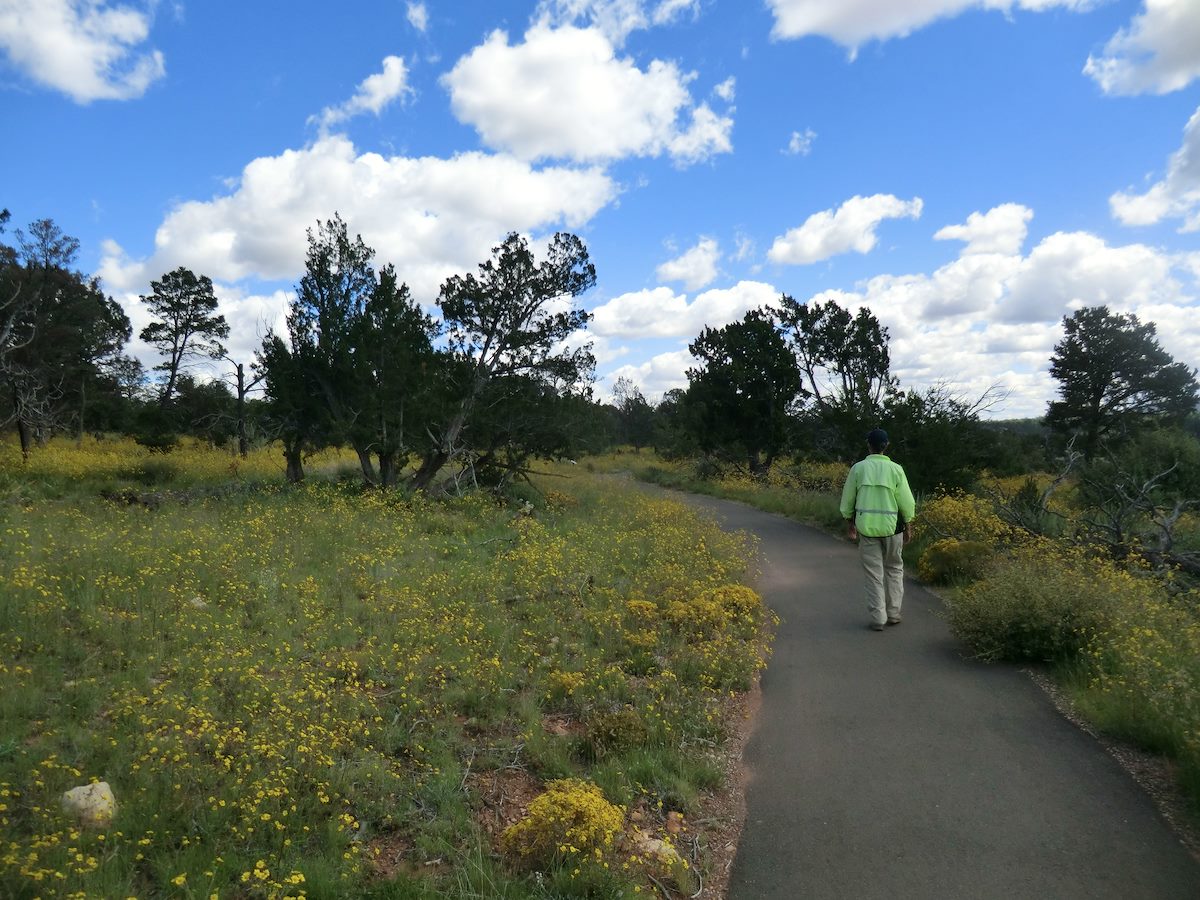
(429, 216)
(1157, 53)
(564, 94)
(87, 50)
(990, 315)
(853, 23)
(1177, 196)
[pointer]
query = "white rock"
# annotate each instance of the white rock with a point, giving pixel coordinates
(92, 805)
(660, 850)
(197, 602)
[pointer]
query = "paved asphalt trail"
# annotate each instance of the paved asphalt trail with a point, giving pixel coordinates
(886, 765)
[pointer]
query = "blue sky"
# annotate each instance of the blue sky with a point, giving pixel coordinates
(971, 170)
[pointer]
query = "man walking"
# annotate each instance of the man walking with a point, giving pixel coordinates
(879, 507)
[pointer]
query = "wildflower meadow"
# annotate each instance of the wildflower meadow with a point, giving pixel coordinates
(322, 691)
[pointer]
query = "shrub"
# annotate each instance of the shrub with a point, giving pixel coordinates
(698, 618)
(736, 599)
(953, 560)
(707, 468)
(571, 820)
(818, 476)
(617, 730)
(961, 516)
(1034, 606)
(1144, 674)
(723, 664)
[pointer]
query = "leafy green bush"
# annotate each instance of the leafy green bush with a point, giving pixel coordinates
(953, 560)
(616, 730)
(1033, 606)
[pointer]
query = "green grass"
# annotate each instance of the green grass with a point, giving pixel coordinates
(276, 682)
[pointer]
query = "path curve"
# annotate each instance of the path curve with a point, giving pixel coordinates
(885, 765)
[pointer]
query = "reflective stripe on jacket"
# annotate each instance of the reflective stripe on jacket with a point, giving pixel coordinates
(876, 489)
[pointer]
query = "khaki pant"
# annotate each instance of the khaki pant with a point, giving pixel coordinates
(884, 568)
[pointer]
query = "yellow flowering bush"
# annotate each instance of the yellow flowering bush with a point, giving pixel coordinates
(699, 617)
(558, 500)
(950, 559)
(739, 600)
(564, 684)
(570, 820)
(816, 476)
(962, 516)
(641, 610)
(1145, 664)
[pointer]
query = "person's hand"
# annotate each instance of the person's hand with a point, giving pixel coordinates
(908, 532)
(853, 533)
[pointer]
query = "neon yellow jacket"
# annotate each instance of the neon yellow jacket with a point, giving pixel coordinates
(875, 491)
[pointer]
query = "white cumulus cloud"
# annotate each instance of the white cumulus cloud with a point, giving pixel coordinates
(86, 49)
(1176, 196)
(1159, 52)
(656, 376)
(850, 227)
(373, 94)
(661, 313)
(429, 216)
(695, 268)
(563, 93)
(1072, 269)
(854, 22)
(1000, 230)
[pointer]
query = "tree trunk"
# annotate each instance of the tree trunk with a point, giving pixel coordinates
(438, 457)
(22, 426)
(430, 466)
(243, 443)
(82, 409)
(758, 468)
(26, 437)
(387, 468)
(368, 467)
(169, 389)
(295, 463)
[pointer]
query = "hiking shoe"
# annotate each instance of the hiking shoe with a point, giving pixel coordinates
(877, 626)
(894, 621)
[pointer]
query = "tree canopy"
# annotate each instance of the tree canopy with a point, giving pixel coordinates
(186, 324)
(845, 366)
(1114, 377)
(743, 389)
(511, 320)
(58, 331)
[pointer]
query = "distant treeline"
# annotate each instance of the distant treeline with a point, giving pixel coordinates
(500, 376)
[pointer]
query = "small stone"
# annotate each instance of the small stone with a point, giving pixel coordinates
(92, 805)
(674, 822)
(660, 850)
(197, 602)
